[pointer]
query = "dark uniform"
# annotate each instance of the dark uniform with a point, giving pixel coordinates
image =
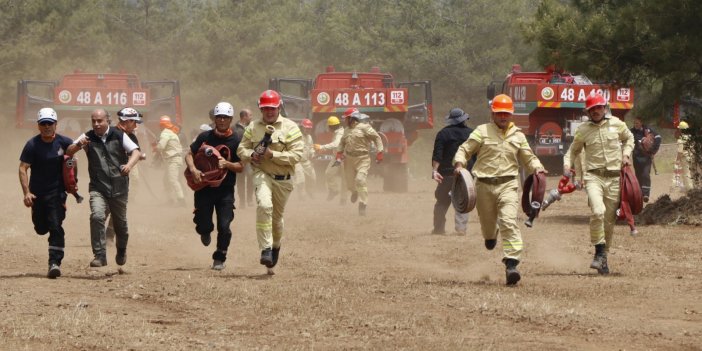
(643, 159)
(446, 144)
(46, 183)
(219, 199)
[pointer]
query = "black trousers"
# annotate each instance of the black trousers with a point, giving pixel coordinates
(48, 213)
(642, 167)
(221, 201)
(443, 202)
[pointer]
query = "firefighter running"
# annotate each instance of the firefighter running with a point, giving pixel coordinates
(354, 150)
(333, 175)
(305, 175)
(501, 147)
(172, 154)
(218, 199)
(646, 145)
(273, 165)
(606, 143)
(43, 189)
(682, 178)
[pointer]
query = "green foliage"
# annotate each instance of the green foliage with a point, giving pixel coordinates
(654, 45)
(229, 49)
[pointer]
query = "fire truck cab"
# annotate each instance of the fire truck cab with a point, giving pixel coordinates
(75, 95)
(397, 110)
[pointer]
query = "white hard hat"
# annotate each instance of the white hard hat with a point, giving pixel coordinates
(224, 108)
(129, 114)
(205, 127)
(47, 114)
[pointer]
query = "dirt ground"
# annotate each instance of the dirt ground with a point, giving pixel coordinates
(345, 282)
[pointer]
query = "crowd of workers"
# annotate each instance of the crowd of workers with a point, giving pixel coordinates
(273, 154)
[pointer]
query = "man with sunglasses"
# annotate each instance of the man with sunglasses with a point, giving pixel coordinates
(44, 189)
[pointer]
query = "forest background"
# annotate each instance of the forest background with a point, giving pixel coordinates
(228, 50)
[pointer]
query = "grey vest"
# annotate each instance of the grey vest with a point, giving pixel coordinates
(104, 160)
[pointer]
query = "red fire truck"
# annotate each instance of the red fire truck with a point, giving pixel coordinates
(397, 111)
(75, 95)
(549, 106)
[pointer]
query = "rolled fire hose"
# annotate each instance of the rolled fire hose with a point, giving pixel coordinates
(463, 195)
(532, 196)
(631, 201)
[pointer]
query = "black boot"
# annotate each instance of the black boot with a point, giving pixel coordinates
(599, 262)
(121, 257)
(511, 271)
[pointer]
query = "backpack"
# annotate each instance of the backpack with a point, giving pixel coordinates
(206, 160)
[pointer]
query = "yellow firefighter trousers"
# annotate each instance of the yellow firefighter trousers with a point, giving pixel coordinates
(271, 197)
(497, 209)
(305, 174)
(603, 198)
(334, 176)
(174, 166)
(356, 171)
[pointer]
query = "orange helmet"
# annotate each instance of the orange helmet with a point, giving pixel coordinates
(349, 111)
(306, 123)
(502, 103)
(165, 122)
(269, 98)
(595, 100)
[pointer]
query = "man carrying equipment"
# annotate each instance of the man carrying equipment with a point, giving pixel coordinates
(216, 198)
(607, 144)
(273, 163)
(500, 147)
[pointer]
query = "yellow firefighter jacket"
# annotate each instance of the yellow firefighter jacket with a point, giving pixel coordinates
(286, 144)
(604, 143)
(499, 154)
(357, 139)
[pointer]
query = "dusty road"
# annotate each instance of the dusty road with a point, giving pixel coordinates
(344, 282)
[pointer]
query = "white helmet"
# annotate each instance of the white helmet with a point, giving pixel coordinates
(47, 114)
(224, 108)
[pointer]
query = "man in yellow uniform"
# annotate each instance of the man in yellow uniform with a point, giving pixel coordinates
(501, 147)
(272, 168)
(333, 175)
(305, 175)
(172, 154)
(683, 174)
(353, 150)
(608, 144)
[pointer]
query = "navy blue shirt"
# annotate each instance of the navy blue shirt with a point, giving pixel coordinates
(46, 161)
(232, 142)
(446, 144)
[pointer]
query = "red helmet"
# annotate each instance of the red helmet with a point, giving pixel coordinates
(349, 111)
(502, 103)
(306, 123)
(269, 98)
(595, 100)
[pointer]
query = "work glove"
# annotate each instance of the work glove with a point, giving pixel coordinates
(379, 157)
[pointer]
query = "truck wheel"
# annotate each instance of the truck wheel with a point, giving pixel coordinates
(396, 178)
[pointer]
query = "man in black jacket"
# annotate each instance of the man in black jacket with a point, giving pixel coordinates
(445, 146)
(646, 144)
(111, 156)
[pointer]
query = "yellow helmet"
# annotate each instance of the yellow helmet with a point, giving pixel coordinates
(683, 125)
(332, 121)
